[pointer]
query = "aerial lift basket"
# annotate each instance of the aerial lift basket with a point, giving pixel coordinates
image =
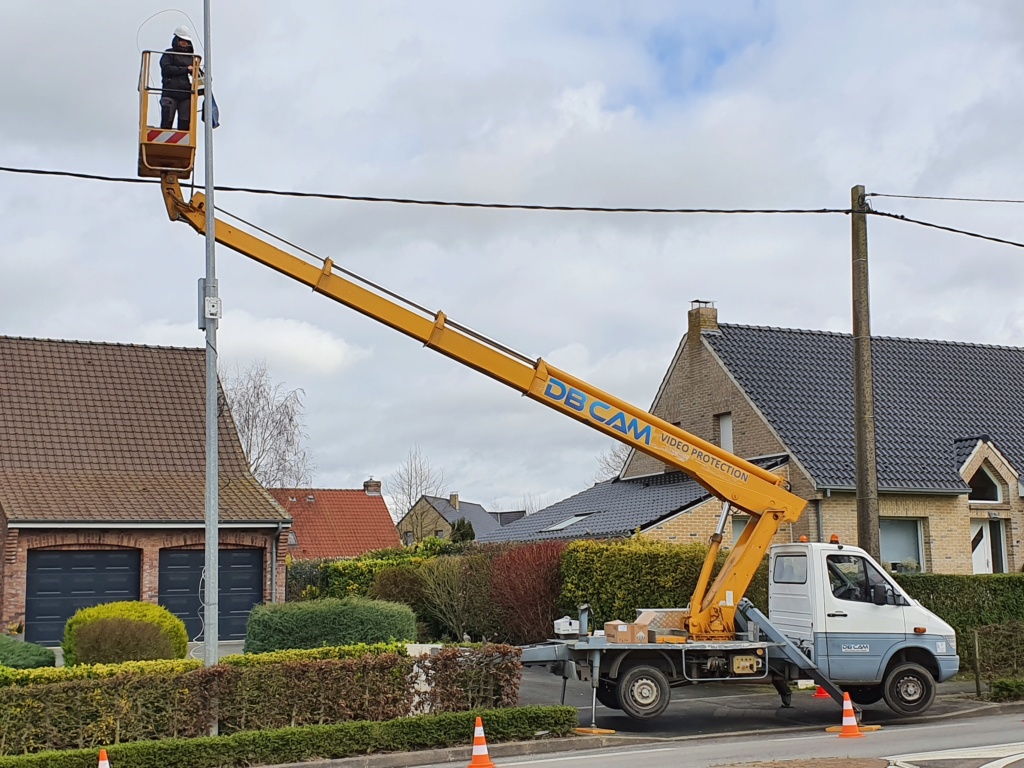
(164, 151)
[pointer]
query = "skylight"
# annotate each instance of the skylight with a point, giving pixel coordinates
(569, 521)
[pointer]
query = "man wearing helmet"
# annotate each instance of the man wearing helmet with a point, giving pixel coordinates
(176, 69)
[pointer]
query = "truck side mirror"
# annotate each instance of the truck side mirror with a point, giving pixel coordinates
(880, 594)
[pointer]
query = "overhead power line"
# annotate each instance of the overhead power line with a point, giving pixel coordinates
(528, 207)
(954, 199)
(437, 203)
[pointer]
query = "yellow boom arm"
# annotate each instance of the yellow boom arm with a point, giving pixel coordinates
(737, 482)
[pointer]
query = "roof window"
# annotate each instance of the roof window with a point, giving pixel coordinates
(569, 521)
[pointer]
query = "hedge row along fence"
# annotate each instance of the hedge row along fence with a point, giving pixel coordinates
(318, 742)
(160, 700)
(42, 676)
(530, 585)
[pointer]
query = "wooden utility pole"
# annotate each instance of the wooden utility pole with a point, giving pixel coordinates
(863, 383)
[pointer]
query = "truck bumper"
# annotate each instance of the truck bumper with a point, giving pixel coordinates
(948, 666)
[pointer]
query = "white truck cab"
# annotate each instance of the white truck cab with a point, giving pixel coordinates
(858, 625)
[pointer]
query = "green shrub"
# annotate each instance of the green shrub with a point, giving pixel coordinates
(312, 654)
(317, 742)
(171, 625)
(160, 700)
(1006, 690)
(329, 621)
(618, 577)
(302, 576)
(17, 654)
(111, 641)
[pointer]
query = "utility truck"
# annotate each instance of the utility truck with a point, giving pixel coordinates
(836, 616)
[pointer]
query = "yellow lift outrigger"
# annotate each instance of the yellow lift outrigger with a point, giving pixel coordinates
(737, 482)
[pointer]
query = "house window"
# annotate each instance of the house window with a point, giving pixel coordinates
(900, 544)
(410, 538)
(439, 533)
(724, 424)
(568, 521)
(739, 522)
(292, 539)
(984, 487)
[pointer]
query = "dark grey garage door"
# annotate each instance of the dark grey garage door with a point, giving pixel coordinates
(58, 583)
(241, 587)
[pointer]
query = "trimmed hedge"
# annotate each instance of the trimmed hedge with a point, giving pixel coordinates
(323, 742)
(172, 626)
(315, 623)
(17, 654)
(47, 675)
(111, 641)
(154, 702)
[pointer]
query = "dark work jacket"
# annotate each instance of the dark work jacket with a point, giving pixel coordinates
(174, 68)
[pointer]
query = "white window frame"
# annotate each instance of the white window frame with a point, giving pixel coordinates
(922, 565)
(996, 481)
(725, 435)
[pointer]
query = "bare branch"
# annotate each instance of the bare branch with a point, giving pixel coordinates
(269, 422)
(611, 461)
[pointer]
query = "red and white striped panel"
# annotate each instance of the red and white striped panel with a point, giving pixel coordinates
(167, 137)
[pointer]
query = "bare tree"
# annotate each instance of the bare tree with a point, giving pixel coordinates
(611, 461)
(269, 422)
(415, 477)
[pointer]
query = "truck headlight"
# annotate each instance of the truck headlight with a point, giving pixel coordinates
(951, 640)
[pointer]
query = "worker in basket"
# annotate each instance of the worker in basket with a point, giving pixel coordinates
(176, 72)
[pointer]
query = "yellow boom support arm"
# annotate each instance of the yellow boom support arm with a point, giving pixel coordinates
(737, 482)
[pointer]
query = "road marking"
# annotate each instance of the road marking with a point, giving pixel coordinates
(589, 756)
(1014, 750)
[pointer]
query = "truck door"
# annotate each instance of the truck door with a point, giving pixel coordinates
(858, 633)
(790, 600)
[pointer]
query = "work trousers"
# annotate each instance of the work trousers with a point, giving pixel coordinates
(169, 105)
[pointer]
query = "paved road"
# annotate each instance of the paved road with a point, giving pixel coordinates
(719, 708)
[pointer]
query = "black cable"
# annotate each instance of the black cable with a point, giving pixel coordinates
(955, 199)
(436, 203)
(900, 217)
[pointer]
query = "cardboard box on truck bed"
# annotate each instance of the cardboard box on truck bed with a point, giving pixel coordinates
(625, 632)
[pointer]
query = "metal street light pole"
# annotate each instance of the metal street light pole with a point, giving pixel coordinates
(211, 312)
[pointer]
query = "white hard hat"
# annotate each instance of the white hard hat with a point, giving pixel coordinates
(183, 33)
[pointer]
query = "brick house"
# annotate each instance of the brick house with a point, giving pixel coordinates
(102, 489)
(435, 516)
(949, 433)
(337, 522)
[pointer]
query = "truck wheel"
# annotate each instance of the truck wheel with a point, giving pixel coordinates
(909, 689)
(608, 694)
(643, 692)
(865, 694)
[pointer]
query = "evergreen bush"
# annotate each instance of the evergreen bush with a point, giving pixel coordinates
(170, 625)
(18, 654)
(111, 641)
(327, 621)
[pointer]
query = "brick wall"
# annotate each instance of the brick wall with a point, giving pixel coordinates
(150, 542)
(423, 521)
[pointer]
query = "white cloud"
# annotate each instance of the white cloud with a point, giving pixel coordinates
(667, 104)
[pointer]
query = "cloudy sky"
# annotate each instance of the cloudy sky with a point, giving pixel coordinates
(753, 104)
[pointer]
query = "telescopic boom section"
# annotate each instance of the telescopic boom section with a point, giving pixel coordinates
(737, 482)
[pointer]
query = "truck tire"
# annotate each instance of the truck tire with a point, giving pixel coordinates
(608, 694)
(643, 692)
(865, 694)
(909, 689)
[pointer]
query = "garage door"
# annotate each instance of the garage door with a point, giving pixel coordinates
(58, 583)
(240, 587)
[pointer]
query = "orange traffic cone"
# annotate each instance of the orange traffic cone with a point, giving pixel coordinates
(850, 728)
(821, 693)
(480, 757)
(104, 763)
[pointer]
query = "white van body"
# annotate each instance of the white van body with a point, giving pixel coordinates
(824, 598)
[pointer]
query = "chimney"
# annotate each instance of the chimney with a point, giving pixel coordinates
(371, 487)
(453, 499)
(702, 317)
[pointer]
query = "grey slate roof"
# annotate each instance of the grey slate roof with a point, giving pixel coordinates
(614, 507)
(928, 396)
(478, 517)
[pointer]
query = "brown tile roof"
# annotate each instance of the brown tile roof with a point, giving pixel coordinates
(337, 523)
(93, 432)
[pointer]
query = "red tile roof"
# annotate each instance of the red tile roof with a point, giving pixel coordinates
(337, 522)
(114, 433)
